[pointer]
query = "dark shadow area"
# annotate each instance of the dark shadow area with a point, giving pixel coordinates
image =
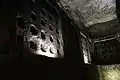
(73, 68)
(91, 72)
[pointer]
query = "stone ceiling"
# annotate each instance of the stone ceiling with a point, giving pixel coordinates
(89, 11)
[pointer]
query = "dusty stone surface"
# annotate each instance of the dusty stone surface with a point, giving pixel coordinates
(109, 72)
(90, 11)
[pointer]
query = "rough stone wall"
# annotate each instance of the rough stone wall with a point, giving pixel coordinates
(90, 11)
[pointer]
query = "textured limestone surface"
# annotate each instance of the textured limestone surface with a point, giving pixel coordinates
(90, 11)
(109, 72)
